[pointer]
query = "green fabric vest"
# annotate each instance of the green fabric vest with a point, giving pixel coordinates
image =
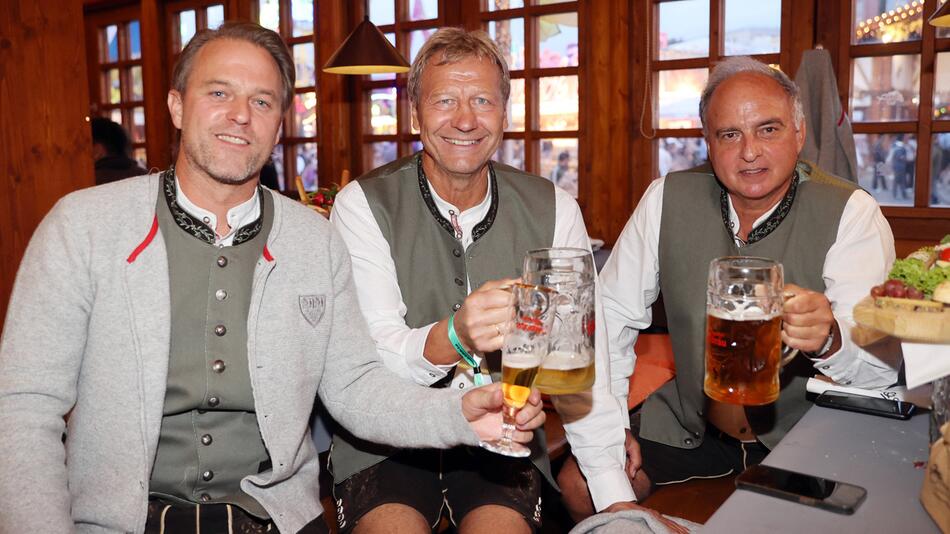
(432, 267)
(209, 438)
(692, 233)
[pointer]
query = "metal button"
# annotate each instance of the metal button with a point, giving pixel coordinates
(220, 294)
(459, 282)
(457, 253)
(207, 475)
(207, 220)
(700, 413)
(205, 497)
(213, 401)
(688, 442)
(206, 439)
(456, 306)
(696, 435)
(461, 385)
(218, 366)
(222, 261)
(220, 330)
(826, 367)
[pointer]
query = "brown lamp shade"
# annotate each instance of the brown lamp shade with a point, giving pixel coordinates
(366, 51)
(941, 17)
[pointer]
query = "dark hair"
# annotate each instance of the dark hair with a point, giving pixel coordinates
(563, 156)
(240, 31)
(111, 136)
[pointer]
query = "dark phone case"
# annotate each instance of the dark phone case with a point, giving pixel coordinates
(840, 402)
(747, 482)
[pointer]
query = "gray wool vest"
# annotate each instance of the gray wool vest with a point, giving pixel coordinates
(692, 233)
(432, 267)
(209, 438)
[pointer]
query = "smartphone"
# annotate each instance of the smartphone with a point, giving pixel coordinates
(868, 405)
(830, 495)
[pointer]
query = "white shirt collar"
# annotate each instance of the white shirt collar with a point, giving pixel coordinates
(238, 216)
(734, 219)
(467, 219)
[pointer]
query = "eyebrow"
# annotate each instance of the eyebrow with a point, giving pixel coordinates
(258, 91)
(766, 122)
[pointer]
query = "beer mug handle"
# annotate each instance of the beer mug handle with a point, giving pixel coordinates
(788, 354)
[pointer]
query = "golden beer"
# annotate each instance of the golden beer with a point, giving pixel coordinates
(743, 359)
(564, 373)
(516, 384)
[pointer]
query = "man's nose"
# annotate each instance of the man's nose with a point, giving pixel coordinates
(750, 148)
(464, 118)
(239, 111)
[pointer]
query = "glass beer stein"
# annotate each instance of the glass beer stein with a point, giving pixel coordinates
(569, 365)
(744, 302)
(523, 349)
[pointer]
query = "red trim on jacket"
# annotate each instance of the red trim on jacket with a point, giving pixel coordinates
(148, 239)
(267, 255)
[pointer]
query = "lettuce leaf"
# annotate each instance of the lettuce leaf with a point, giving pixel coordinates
(912, 272)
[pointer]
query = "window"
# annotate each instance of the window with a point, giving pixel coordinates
(187, 17)
(542, 44)
(902, 132)
(387, 133)
(296, 154)
(692, 36)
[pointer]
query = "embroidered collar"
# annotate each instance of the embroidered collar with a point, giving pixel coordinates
(479, 229)
(196, 227)
(768, 225)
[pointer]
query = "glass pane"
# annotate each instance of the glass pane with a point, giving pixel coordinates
(138, 125)
(497, 5)
(215, 16)
(557, 38)
(679, 92)
(186, 26)
(546, 2)
(940, 171)
(753, 27)
(277, 158)
(305, 115)
(269, 16)
(684, 29)
(382, 111)
(139, 155)
(116, 116)
(942, 87)
(302, 15)
(416, 40)
(887, 21)
(111, 35)
(378, 154)
(303, 60)
(423, 9)
(509, 34)
(558, 103)
(415, 146)
(886, 167)
(382, 12)
(559, 163)
(516, 106)
(135, 76)
(306, 154)
(110, 85)
(135, 41)
(679, 153)
(391, 37)
(511, 152)
(885, 88)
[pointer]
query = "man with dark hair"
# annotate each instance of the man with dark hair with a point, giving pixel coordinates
(174, 329)
(111, 151)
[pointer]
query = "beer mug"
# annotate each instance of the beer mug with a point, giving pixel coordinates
(744, 300)
(569, 365)
(523, 349)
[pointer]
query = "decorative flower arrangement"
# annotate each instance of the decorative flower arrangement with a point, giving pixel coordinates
(323, 197)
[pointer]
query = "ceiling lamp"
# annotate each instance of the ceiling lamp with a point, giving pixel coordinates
(366, 51)
(941, 18)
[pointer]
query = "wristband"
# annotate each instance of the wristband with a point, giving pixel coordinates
(460, 349)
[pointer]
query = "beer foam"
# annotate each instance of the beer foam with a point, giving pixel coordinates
(560, 360)
(752, 313)
(521, 361)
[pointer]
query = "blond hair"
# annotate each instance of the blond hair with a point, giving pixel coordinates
(451, 45)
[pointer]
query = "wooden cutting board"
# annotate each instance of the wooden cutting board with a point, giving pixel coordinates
(921, 326)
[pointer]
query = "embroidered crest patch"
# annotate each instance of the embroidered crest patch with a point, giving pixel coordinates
(311, 307)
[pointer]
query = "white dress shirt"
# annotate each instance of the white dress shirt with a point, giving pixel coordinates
(593, 422)
(239, 216)
(860, 258)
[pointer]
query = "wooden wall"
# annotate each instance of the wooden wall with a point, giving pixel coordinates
(45, 141)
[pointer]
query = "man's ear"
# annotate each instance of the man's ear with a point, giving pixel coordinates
(175, 107)
(800, 135)
(414, 115)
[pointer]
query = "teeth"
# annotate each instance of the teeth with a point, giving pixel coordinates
(461, 142)
(233, 140)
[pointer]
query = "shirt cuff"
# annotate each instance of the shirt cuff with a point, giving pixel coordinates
(610, 487)
(422, 370)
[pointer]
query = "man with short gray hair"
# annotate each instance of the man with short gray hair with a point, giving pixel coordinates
(754, 198)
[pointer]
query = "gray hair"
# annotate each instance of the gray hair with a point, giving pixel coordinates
(745, 64)
(450, 45)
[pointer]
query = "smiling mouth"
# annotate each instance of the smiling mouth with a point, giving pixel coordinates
(461, 142)
(230, 139)
(753, 172)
